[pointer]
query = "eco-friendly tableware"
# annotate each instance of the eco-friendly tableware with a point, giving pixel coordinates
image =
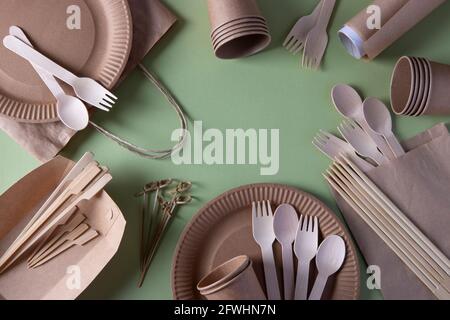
(361, 142)
(439, 100)
(225, 14)
(349, 104)
(332, 147)
(329, 259)
(259, 26)
(86, 159)
(379, 119)
(305, 248)
(317, 39)
(427, 84)
(44, 224)
(85, 88)
(426, 261)
(402, 85)
(415, 89)
(53, 238)
(264, 235)
(79, 238)
(233, 280)
(71, 111)
(99, 50)
(240, 22)
(419, 86)
(285, 223)
(296, 38)
(18, 205)
(222, 230)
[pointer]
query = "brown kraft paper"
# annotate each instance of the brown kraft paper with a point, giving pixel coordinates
(405, 19)
(418, 184)
(388, 9)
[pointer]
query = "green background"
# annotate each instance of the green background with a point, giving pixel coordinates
(267, 90)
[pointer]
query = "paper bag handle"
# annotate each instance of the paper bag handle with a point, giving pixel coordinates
(150, 153)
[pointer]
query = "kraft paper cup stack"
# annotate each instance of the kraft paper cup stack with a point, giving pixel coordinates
(420, 87)
(238, 28)
(233, 280)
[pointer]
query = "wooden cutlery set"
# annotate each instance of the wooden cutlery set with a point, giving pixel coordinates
(301, 236)
(58, 225)
(71, 110)
(367, 130)
(310, 35)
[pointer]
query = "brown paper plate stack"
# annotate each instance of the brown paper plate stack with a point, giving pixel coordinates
(420, 87)
(238, 28)
(222, 230)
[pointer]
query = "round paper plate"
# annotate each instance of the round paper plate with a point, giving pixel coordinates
(222, 230)
(89, 37)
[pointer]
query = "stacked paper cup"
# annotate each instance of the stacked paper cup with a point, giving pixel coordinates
(238, 28)
(420, 87)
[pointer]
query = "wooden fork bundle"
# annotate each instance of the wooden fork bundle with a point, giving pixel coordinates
(82, 183)
(400, 234)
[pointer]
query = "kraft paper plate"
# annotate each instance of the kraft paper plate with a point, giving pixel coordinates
(222, 229)
(99, 49)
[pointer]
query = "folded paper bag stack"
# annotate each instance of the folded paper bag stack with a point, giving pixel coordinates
(151, 21)
(418, 184)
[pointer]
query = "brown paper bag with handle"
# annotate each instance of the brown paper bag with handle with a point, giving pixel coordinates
(418, 183)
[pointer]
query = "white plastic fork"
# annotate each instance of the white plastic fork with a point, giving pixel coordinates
(264, 235)
(85, 88)
(362, 143)
(333, 147)
(305, 248)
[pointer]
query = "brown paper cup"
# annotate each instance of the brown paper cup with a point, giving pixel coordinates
(428, 84)
(238, 28)
(240, 21)
(233, 280)
(402, 85)
(418, 87)
(439, 100)
(224, 11)
(425, 81)
(239, 31)
(242, 44)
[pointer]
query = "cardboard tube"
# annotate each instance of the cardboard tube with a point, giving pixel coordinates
(439, 100)
(242, 286)
(406, 18)
(356, 31)
(402, 85)
(224, 11)
(388, 8)
(242, 44)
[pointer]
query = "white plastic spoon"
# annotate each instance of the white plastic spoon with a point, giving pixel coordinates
(71, 111)
(285, 227)
(380, 122)
(350, 105)
(329, 259)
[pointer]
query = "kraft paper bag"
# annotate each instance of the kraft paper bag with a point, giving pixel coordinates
(151, 21)
(50, 281)
(418, 183)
